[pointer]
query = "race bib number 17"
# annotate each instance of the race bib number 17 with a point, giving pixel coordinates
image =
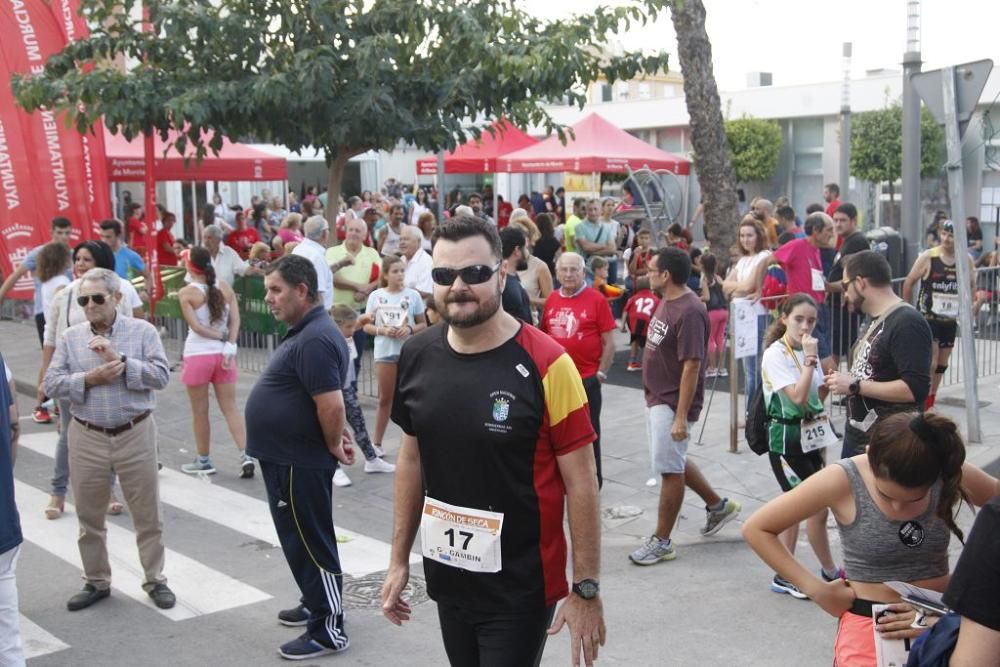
(461, 537)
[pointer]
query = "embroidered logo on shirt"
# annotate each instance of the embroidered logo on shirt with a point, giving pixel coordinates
(500, 412)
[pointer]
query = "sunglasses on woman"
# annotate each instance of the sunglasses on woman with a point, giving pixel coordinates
(471, 275)
(99, 299)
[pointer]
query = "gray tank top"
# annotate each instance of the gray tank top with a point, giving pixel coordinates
(879, 549)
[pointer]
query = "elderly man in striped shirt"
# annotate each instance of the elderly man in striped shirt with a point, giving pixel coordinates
(109, 368)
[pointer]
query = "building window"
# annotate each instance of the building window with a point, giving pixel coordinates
(645, 91)
(605, 92)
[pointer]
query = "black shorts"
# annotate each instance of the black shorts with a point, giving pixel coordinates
(803, 465)
(485, 639)
(638, 335)
(943, 331)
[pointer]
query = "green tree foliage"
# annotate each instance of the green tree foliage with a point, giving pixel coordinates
(346, 76)
(755, 146)
(877, 145)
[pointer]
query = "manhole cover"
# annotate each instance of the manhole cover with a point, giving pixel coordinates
(366, 592)
(959, 402)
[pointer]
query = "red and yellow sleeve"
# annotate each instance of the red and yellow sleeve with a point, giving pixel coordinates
(566, 407)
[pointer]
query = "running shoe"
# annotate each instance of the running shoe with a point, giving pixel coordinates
(304, 648)
(723, 372)
(652, 551)
(711, 373)
(633, 366)
(199, 467)
(379, 465)
(340, 478)
(379, 452)
(246, 466)
(41, 416)
(294, 617)
(715, 520)
(781, 585)
(840, 575)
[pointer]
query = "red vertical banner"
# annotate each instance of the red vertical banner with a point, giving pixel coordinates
(19, 213)
(74, 27)
(56, 152)
(152, 258)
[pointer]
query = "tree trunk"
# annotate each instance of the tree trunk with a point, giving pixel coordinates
(708, 135)
(337, 168)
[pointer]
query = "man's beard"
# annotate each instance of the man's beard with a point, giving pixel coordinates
(855, 303)
(466, 320)
(522, 264)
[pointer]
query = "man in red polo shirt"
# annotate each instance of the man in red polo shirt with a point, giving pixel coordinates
(579, 318)
(804, 269)
(831, 195)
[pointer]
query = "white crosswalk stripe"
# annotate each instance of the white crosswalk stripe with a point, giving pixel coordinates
(36, 641)
(200, 589)
(359, 554)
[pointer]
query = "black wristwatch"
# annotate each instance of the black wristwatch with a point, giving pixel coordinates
(855, 387)
(123, 358)
(587, 589)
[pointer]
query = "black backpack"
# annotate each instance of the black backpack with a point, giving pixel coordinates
(757, 422)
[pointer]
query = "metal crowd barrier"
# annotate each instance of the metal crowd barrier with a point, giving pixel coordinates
(986, 318)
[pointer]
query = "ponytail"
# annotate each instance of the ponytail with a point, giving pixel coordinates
(915, 451)
(200, 262)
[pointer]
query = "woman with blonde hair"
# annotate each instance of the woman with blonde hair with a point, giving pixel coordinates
(536, 279)
(426, 224)
(741, 286)
(290, 231)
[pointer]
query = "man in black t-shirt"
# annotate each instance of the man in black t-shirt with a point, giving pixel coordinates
(844, 324)
(891, 368)
(488, 460)
(515, 299)
(295, 428)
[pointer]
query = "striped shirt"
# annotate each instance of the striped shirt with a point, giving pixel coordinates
(131, 394)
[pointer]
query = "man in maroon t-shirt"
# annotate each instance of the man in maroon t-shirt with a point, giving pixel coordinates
(579, 318)
(673, 376)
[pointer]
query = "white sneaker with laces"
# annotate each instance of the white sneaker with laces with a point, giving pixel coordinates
(340, 478)
(379, 465)
(379, 452)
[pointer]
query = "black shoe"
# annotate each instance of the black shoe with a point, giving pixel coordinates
(163, 597)
(86, 597)
(294, 617)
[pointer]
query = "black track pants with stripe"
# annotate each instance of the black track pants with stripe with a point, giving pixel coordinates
(301, 505)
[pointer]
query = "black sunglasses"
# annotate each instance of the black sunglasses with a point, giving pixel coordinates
(471, 275)
(99, 299)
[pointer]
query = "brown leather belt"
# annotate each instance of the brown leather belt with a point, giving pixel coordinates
(114, 430)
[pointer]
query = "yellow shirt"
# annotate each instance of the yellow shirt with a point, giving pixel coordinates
(359, 272)
(569, 232)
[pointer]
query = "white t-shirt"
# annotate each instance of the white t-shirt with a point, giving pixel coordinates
(418, 272)
(316, 254)
(743, 269)
(392, 309)
(50, 287)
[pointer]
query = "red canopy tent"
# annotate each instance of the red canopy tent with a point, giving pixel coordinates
(598, 146)
(235, 162)
(479, 156)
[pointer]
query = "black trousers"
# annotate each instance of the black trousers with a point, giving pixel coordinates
(592, 386)
(301, 505)
(482, 639)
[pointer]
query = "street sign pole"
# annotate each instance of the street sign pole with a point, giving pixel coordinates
(956, 196)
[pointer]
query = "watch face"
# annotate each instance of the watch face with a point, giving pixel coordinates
(587, 589)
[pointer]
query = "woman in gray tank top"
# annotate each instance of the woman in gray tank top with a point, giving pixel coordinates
(895, 509)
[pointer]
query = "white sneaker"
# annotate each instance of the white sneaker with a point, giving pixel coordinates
(379, 465)
(379, 452)
(340, 478)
